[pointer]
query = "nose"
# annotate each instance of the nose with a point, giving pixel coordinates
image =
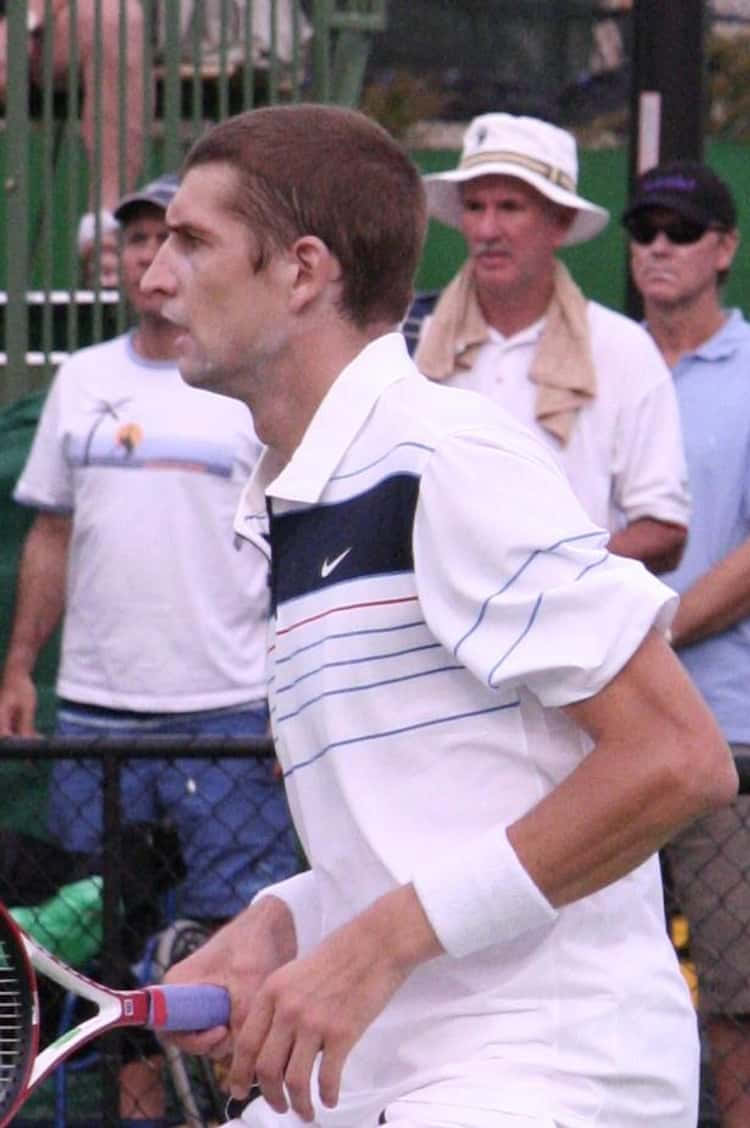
(488, 224)
(158, 277)
(660, 242)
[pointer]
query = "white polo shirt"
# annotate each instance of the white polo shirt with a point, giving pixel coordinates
(437, 591)
(625, 458)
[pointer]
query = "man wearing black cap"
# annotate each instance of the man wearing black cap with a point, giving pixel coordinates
(682, 225)
(136, 479)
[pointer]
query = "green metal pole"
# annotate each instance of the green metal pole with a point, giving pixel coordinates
(17, 200)
(42, 256)
(322, 51)
(172, 86)
(74, 194)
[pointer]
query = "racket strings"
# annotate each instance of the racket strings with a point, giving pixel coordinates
(16, 1023)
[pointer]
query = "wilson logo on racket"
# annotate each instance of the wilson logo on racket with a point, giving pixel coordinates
(23, 1065)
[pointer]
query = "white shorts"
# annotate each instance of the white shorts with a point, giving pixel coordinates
(430, 1116)
(407, 1112)
(413, 1113)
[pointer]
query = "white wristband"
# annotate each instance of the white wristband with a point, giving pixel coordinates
(481, 896)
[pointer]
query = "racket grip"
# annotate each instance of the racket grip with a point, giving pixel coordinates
(188, 1007)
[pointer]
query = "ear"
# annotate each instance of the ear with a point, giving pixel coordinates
(314, 267)
(729, 241)
(563, 221)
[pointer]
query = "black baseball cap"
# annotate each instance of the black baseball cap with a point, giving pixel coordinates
(691, 189)
(157, 192)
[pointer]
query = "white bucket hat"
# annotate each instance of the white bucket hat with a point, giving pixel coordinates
(531, 150)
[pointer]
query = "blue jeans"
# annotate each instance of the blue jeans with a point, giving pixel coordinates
(231, 813)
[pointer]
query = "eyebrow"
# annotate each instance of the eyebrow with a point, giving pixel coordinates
(186, 226)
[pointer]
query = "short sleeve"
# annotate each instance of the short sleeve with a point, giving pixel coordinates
(650, 477)
(516, 581)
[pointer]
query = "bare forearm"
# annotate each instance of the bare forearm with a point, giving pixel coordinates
(40, 591)
(572, 848)
(318, 1006)
(716, 601)
(663, 764)
(658, 544)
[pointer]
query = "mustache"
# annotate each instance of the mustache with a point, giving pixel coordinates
(489, 245)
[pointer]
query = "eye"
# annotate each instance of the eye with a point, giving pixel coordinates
(185, 238)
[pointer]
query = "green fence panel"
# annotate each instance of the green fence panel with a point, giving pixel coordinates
(191, 62)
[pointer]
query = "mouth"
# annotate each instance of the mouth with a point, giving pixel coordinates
(656, 275)
(183, 336)
(491, 253)
(169, 315)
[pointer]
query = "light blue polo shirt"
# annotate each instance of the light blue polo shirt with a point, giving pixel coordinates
(713, 391)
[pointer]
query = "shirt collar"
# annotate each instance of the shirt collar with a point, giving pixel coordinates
(529, 335)
(725, 340)
(338, 418)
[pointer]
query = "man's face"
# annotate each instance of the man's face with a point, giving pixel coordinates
(233, 316)
(142, 236)
(511, 230)
(672, 274)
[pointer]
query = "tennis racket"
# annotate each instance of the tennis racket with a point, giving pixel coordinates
(23, 1065)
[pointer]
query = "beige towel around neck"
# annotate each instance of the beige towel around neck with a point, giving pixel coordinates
(562, 368)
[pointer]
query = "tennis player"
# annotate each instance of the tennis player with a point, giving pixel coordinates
(484, 735)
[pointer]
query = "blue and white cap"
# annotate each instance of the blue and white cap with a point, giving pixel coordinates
(157, 192)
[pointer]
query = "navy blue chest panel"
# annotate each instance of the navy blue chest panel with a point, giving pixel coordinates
(367, 535)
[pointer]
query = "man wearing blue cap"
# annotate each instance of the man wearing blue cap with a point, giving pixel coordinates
(136, 478)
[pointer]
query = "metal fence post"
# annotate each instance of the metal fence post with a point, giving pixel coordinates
(17, 197)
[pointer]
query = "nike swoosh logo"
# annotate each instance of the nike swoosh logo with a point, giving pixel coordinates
(328, 565)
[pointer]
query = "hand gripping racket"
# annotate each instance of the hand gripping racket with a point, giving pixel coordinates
(23, 1065)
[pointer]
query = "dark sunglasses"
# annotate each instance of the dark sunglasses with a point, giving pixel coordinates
(644, 228)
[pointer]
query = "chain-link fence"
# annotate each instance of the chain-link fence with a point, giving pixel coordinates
(130, 904)
(707, 887)
(157, 842)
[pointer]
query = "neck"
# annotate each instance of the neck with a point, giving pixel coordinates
(511, 310)
(678, 330)
(286, 399)
(154, 338)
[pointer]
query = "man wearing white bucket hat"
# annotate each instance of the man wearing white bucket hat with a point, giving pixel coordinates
(513, 325)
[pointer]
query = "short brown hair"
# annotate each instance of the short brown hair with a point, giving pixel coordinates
(323, 170)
